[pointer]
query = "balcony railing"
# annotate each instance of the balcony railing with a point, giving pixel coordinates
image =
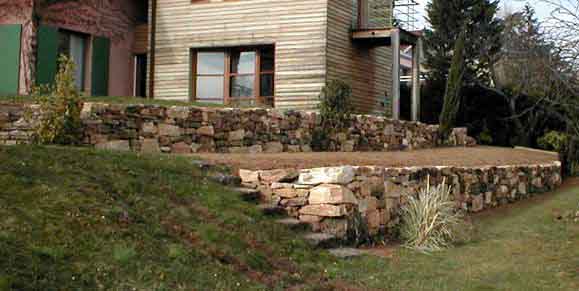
(373, 14)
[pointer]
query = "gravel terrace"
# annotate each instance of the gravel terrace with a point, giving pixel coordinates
(457, 156)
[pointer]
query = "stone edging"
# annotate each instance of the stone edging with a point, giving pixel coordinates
(332, 199)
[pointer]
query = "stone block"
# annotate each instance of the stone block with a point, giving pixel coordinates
(206, 131)
(294, 202)
(150, 145)
(273, 147)
(324, 210)
(331, 194)
(248, 176)
(279, 175)
(149, 128)
(180, 148)
(169, 130)
(331, 175)
(255, 149)
(236, 135)
(477, 203)
(310, 218)
(178, 112)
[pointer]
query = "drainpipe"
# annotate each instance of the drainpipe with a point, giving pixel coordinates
(152, 34)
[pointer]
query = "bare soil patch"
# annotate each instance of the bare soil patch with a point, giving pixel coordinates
(457, 156)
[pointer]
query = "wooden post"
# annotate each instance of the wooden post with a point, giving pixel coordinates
(363, 13)
(395, 38)
(416, 50)
(152, 47)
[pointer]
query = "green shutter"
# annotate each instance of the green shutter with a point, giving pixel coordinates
(9, 58)
(100, 66)
(47, 57)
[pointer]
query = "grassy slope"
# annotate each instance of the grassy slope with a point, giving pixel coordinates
(73, 219)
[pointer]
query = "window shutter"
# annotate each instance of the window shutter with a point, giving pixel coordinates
(9, 59)
(100, 66)
(47, 55)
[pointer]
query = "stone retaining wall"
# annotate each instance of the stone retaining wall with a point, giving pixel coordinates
(337, 199)
(177, 129)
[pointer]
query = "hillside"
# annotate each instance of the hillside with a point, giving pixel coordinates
(80, 219)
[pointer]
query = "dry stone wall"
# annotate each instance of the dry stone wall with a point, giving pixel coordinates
(178, 129)
(352, 201)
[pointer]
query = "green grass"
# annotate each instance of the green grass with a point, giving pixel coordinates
(116, 100)
(81, 219)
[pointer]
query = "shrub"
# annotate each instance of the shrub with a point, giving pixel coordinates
(335, 110)
(60, 106)
(553, 141)
(430, 219)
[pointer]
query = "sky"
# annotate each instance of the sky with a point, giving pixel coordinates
(542, 9)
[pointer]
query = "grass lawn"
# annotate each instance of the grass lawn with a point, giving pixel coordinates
(81, 219)
(116, 100)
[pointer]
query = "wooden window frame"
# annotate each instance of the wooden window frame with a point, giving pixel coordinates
(227, 75)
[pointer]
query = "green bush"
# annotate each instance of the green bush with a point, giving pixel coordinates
(553, 141)
(60, 106)
(335, 111)
(430, 219)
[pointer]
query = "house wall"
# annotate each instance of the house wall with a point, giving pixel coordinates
(296, 27)
(367, 69)
(19, 12)
(115, 20)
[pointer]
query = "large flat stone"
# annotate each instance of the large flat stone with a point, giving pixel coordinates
(279, 175)
(248, 176)
(169, 130)
(324, 210)
(330, 175)
(331, 194)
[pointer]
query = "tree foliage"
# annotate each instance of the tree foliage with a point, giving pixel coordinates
(60, 106)
(453, 87)
(448, 19)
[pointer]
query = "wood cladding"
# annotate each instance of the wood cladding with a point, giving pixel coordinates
(297, 28)
(367, 69)
(141, 44)
(312, 41)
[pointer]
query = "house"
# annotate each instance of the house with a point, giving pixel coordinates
(107, 39)
(260, 52)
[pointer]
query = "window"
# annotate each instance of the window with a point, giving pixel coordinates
(234, 75)
(74, 45)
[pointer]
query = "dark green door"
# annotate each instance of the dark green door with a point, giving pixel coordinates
(100, 66)
(9, 58)
(47, 57)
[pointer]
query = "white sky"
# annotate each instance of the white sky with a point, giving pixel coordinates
(542, 9)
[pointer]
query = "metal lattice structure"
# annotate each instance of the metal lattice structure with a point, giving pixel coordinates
(406, 14)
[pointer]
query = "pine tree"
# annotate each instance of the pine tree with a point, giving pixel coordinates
(448, 18)
(454, 84)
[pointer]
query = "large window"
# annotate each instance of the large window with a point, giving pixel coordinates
(234, 75)
(74, 45)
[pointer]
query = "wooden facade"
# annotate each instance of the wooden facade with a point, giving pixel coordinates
(297, 28)
(312, 39)
(368, 69)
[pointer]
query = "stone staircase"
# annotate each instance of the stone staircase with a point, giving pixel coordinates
(315, 239)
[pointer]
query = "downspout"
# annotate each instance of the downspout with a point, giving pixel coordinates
(152, 34)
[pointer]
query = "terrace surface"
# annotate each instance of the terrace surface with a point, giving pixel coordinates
(456, 156)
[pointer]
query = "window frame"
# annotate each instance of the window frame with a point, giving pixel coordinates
(228, 75)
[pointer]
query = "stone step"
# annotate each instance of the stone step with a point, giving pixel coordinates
(322, 240)
(272, 209)
(227, 180)
(248, 194)
(293, 223)
(346, 253)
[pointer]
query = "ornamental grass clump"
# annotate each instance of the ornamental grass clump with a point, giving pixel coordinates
(430, 219)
